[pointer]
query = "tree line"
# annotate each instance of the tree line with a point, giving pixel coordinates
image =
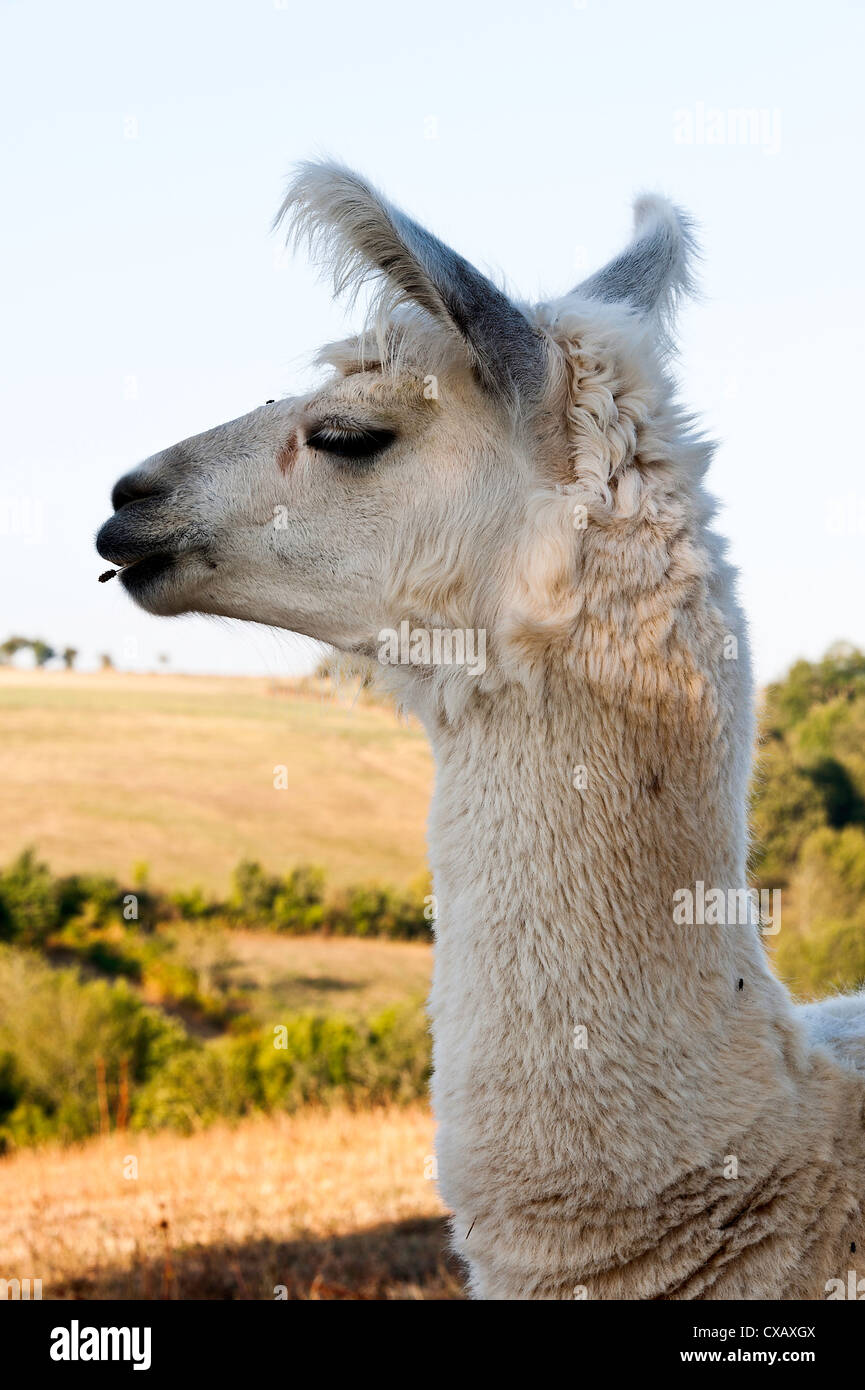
(42, 651)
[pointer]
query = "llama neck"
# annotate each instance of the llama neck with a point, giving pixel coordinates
(566, 1001)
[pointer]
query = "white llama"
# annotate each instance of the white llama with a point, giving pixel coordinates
(627, 1107)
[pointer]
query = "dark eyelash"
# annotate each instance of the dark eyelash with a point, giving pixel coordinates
(350, 444)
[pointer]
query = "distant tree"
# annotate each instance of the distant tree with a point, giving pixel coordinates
(106, 661)
(808, 819)
(824, 946)
(786, 808)
(840, 674)
(70, 655)
(163, 658)
(42, 653)
(12, 645)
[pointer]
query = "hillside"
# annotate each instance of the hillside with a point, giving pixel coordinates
(102, 771)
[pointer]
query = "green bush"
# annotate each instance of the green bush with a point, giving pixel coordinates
(37, 909)
(807, 684)
(297, 903)
(59, 1035)
(830, 959)
(30, 901)
(94, 897)
(787, 807)
(54, 1029)
(191, 905)
(808, 819)
(253, 893)
(307, 1058)
(369, 910)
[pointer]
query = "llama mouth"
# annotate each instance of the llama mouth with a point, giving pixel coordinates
(140, 573)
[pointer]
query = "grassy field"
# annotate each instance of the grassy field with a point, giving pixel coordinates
(330, 1205)
(101, 771)
(278, 974)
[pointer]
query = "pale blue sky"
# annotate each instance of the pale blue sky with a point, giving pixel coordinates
(144, 151)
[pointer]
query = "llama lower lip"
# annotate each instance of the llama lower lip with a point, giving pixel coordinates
(141, 572)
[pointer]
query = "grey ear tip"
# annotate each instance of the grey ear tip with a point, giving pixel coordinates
(655, 271)
(665, 237)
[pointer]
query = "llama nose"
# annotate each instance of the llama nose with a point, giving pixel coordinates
(133, 487)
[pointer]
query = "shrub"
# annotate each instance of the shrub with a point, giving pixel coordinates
(307, 1058)
(53, 1031)
(253, 892)
(299, 904)
(93, 896)
(37, 909)
(30, 901)
(192, 905)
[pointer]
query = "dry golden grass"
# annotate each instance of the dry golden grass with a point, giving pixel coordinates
(329, 1204)
(101, 771)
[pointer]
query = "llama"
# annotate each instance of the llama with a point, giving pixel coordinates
(627, 1107)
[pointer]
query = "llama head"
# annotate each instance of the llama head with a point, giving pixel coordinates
(443, 472)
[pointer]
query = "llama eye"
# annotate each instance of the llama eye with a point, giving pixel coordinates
(350, 444)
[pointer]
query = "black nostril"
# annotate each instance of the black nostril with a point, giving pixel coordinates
(133, 487)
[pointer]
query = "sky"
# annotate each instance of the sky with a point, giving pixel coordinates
(143, 297)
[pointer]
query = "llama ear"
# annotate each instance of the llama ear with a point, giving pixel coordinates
(655, 270)
(362, 236)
